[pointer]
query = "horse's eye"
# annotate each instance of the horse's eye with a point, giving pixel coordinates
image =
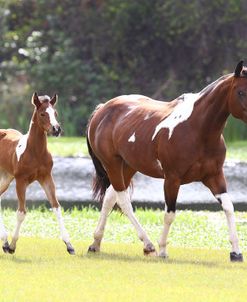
(241, 93)
(42, 114)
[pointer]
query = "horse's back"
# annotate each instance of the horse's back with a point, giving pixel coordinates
(10, 134)
(124, 126)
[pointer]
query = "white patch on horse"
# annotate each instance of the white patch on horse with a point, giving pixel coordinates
(21, 146)
(181, 113)
(132, 138)
(131, 109)
(159, 164)
(147, 116)
(51, 113)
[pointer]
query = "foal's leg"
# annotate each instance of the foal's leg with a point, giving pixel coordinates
(3, 234)
(108, 203)
(171, 188)
(217, 185)
(21, 186)
(4, 184)
(123, 200)
(49, 188)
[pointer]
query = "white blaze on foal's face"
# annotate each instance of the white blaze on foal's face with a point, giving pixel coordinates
(52, 116)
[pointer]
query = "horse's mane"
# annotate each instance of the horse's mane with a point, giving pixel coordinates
(214, 84)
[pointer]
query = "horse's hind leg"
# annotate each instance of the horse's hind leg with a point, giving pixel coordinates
(120, 181)
(124, 202)
(108, 203)
(21, 186)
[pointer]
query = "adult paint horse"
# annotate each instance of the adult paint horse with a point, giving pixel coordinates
(26, 158)
(180, 141)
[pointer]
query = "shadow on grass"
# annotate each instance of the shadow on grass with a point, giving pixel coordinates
(167, 261)
(15, 259)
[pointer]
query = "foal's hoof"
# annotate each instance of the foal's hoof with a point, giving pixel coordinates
(70, 248)
(5, 247)
(149, 250)
(11, 251)
(92, 249)
(234, 257)
(163, 255)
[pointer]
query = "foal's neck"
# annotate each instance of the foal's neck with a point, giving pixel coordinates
(37, 137)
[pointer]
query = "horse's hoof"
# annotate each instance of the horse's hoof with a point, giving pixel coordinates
(149, 250)
(234, 257)
(5, 247)
(92, 249)
(70, 248)
(71, 251)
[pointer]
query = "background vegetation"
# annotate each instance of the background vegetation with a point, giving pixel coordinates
(88, 51)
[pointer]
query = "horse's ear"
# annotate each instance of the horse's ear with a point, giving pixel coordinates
(238, 69)
(35, 100)
(53, 100)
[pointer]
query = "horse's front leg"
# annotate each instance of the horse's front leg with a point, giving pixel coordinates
(171, 187)
(21, 186)
(123, 200)
(49, 187)
(217, 185)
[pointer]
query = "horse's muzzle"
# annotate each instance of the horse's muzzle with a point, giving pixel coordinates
(56, 130)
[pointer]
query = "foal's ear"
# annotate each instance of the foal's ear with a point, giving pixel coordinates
(53, 100)
(35, 100)
(238, 69)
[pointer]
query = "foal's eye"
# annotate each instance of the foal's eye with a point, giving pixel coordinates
(241, 93)
(42, 114)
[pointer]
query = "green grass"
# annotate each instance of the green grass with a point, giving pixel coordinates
(237, 150)
(67, 146)
(198, 268)
(76, 146)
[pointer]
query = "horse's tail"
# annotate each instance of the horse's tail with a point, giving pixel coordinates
(100, 181)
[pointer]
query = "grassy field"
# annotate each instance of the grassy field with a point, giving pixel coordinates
(198, 268)
(76, 146)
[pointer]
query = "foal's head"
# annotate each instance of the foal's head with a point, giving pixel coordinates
(46, 113)
(238, 96)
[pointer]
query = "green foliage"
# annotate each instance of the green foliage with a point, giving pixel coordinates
(91, 51)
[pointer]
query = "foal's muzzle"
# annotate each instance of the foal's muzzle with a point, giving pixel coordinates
(56, 130)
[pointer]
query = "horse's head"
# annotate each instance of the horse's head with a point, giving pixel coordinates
(238, 96)
(46, 113)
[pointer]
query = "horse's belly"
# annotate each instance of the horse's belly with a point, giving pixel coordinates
(147, 167)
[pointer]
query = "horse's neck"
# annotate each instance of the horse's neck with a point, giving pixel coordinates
(37, 138)
(212, 111)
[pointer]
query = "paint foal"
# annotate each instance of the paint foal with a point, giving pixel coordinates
(26, 158)
(180, 141)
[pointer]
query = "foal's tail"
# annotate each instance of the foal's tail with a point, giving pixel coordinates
(100, 181)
